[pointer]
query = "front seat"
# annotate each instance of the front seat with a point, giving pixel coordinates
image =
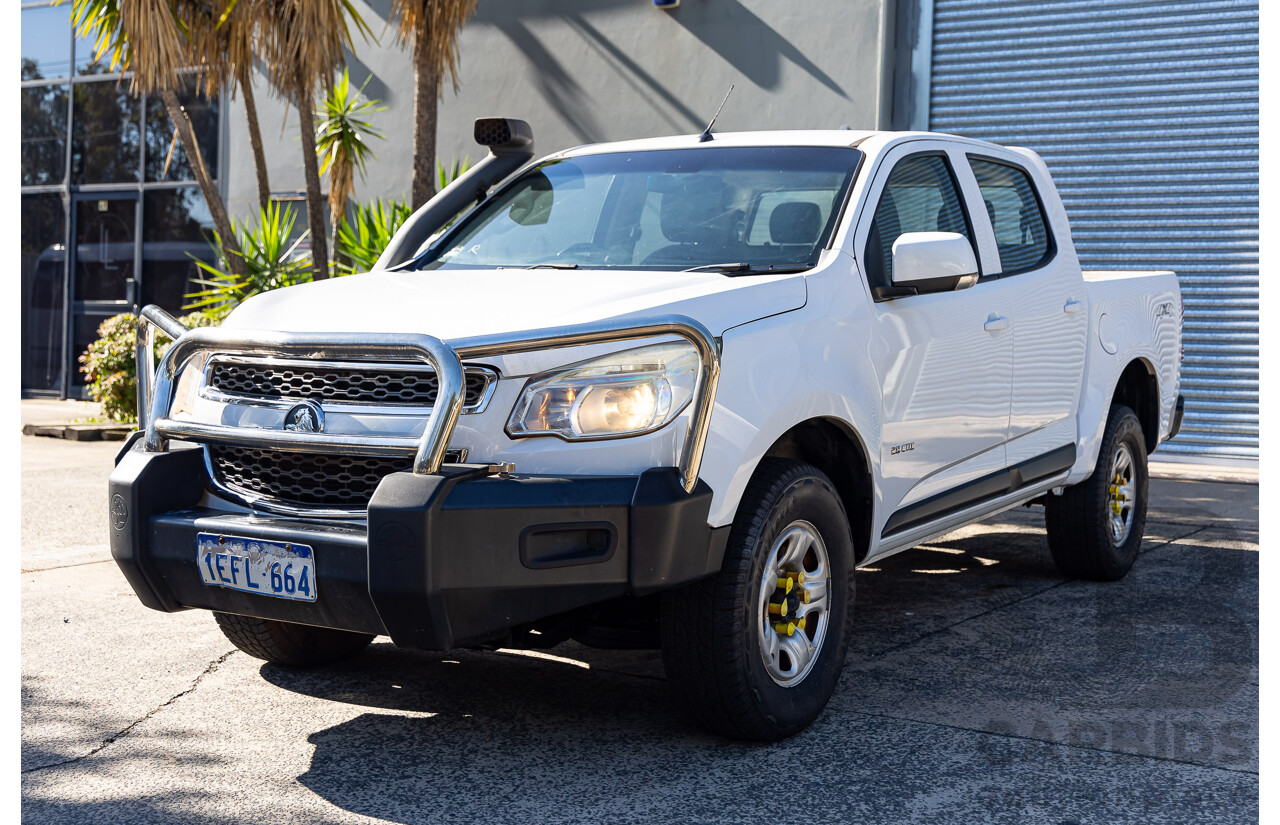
(795, 224)
(696, 217)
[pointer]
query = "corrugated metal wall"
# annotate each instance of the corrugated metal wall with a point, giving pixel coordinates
(1147, 115)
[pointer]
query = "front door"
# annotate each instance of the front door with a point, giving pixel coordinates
(945, 360)
(103, 268)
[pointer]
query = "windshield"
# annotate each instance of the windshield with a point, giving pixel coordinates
(736, 208)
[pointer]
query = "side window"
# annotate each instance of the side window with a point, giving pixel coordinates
(920, 196)
(1016, 216)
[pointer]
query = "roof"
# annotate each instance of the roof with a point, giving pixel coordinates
(779, 137)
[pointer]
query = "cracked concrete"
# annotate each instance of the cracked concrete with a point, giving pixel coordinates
(113, 738)
(980, 687)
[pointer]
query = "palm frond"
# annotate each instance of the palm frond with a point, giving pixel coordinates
(433, 25)
(271, 257)
(362, 239)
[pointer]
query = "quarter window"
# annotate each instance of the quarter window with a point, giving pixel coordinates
(1021, 235)
(920, 196)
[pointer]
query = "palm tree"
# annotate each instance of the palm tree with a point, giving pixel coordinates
(222, 41)
(341, 141)
(302, 45)
(431, 27)
(152, 39)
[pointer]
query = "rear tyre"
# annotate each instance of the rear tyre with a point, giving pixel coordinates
(1095, 527)
(288, 644)
(748, 655)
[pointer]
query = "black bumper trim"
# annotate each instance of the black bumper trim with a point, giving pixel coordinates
(1178, 409)
(444, 560)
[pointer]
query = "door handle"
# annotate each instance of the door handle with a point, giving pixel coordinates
(1072, 307)
(996, 323)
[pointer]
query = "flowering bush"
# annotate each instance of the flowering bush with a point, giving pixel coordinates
(109, 367)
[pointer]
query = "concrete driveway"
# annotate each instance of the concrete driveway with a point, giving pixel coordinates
(982, 687)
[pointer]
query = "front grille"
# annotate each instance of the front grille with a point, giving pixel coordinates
(303, 479)
(353, 385)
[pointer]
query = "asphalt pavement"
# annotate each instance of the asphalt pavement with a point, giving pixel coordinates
(982, 687)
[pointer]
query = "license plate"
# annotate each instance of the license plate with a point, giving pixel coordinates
(269, 568)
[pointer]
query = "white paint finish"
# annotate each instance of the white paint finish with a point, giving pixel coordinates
(457, 305)
(1142, 328)
(942, 371)
(788, 369)
(921, 256)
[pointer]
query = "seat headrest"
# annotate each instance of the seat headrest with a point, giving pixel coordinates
(694, 211)
(795, 222)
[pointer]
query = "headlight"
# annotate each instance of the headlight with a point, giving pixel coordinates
(190, 382)
(627, 393)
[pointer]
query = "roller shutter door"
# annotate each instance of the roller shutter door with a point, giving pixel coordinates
(1147, 115)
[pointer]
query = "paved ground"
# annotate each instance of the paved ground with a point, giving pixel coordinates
(54, 411)
(982, 688)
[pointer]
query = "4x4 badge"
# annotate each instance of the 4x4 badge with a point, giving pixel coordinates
(306, 417)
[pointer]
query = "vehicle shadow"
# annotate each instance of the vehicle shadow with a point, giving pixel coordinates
(583, 735)
(590, 734)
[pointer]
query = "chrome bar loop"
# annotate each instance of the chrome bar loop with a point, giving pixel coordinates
(167, 323)
(430, 449)
(149, 319)
(446, 360)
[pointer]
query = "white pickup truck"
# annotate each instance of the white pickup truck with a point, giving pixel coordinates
(666, 392)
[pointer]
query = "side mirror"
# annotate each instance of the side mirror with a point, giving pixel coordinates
(933, 262)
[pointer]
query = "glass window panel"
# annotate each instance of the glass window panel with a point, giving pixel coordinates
(920, 196)
(161, 166)
(1016, 218)
(84, 331)
(104, 248)
(105, 133)
(43, 298)
(46, 42)
(176, 228)
(44, 134)
(86, 63)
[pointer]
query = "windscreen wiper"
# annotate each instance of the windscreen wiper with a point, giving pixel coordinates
(552, 266)
(748, 269)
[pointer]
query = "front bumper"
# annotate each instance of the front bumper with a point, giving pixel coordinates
(443, 560)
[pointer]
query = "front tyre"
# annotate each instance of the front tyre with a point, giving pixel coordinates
(754, 652)
(1095, 527)
(289, 644)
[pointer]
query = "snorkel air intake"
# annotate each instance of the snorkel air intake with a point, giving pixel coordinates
(510, 143)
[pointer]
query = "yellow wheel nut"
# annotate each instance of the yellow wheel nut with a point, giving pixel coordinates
(804, 597)
(786, 584)
(778, 609)
(800, 576)
(800, 623)
(785, 628)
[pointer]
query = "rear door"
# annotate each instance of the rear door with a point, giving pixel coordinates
(944, 360)
(1046, 306)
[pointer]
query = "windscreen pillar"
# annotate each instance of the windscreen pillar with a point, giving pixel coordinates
(510, 144)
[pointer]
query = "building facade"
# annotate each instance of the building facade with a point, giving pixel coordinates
(111, 214)
(1168, 89)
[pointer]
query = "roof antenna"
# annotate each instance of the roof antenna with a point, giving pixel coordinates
(706, 133)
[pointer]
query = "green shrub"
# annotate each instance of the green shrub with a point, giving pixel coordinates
(362, 238)
(109, 366)
(271, 259)
(446, 176)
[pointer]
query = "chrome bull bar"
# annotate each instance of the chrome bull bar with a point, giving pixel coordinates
(156, 385)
